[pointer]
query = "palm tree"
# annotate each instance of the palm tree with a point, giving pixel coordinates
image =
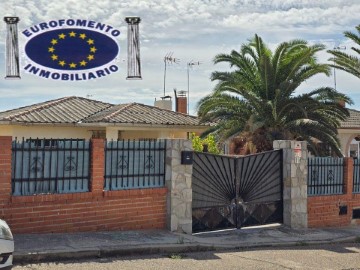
(257, 96)
(345, 61)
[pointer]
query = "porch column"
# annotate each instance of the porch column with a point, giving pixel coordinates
(178, 183)
(295, 183)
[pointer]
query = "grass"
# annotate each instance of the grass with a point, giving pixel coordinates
(176, 256)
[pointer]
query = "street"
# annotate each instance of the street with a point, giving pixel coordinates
(333, 256)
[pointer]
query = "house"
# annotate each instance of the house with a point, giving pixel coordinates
(82, 118)
(349, 134)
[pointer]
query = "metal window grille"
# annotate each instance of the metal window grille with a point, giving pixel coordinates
(134, 164)
(356, 177)
(43, 166)
(325, 176)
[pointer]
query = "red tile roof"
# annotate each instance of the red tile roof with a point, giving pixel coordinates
(353, 121)
(82, 110)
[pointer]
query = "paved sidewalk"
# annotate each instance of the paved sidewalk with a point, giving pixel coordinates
(32, 248)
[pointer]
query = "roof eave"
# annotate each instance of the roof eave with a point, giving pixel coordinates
(104, 124)
(143, 125)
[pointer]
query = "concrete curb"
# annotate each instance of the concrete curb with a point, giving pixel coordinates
(39, 257)
(54, 256)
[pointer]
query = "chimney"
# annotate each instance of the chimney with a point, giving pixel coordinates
(341, 103)
(180, 102)
(164, 103)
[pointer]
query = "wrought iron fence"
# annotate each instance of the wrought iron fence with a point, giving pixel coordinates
(356, 177)
(42, 166)
(325, 176)
(134, 164)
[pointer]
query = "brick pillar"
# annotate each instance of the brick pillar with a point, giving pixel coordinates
(5, 170)
(295, 182)
(348, 191)
(348, 176)
(97, 169)
(178, 182)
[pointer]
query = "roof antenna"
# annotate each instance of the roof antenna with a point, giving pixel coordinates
(169, 59)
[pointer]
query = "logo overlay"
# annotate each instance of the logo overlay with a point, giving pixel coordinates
(71, 50)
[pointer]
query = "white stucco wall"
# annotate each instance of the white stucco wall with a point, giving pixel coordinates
(61, 132)
(143, 134)
(345, 137)
(48, 132)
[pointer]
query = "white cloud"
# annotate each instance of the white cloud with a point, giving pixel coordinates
(192, 29)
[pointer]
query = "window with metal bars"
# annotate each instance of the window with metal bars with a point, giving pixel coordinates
(46, 166)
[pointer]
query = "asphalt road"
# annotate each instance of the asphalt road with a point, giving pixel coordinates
(337, 256)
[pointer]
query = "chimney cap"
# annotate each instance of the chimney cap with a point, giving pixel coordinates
(182, 93)
(165, 97)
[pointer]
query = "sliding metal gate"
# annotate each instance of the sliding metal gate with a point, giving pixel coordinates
(233, 192)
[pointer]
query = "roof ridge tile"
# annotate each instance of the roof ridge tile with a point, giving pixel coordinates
(101, 110)
(167, 110)
(115, 113)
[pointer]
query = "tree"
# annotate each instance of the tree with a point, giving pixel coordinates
(257, 96)
(347, 62)
(198, 143)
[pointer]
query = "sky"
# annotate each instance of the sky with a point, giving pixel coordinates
(189, 30)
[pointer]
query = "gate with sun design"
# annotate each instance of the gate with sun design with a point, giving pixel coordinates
(234, 192)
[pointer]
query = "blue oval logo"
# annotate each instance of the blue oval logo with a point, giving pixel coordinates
(71, 49)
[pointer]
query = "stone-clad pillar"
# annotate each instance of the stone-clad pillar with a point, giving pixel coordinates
(12, 48)
(295, 182)
(178, 182)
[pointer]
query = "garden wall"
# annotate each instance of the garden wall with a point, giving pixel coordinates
(336, 210)
(95, 210)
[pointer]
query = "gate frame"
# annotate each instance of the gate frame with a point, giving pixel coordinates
(294, 182)
(178, 181)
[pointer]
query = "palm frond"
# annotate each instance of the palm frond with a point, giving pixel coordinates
(348, 62)
(257, 95)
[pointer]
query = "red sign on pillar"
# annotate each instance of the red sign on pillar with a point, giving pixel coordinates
(297, 152)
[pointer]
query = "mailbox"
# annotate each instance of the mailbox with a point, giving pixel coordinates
(343, 209)
(186, 157)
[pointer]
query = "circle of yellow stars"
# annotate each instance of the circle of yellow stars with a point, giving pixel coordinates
(72, 64)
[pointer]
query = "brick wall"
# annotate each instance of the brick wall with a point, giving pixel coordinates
(323, 211)
(96, 210)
